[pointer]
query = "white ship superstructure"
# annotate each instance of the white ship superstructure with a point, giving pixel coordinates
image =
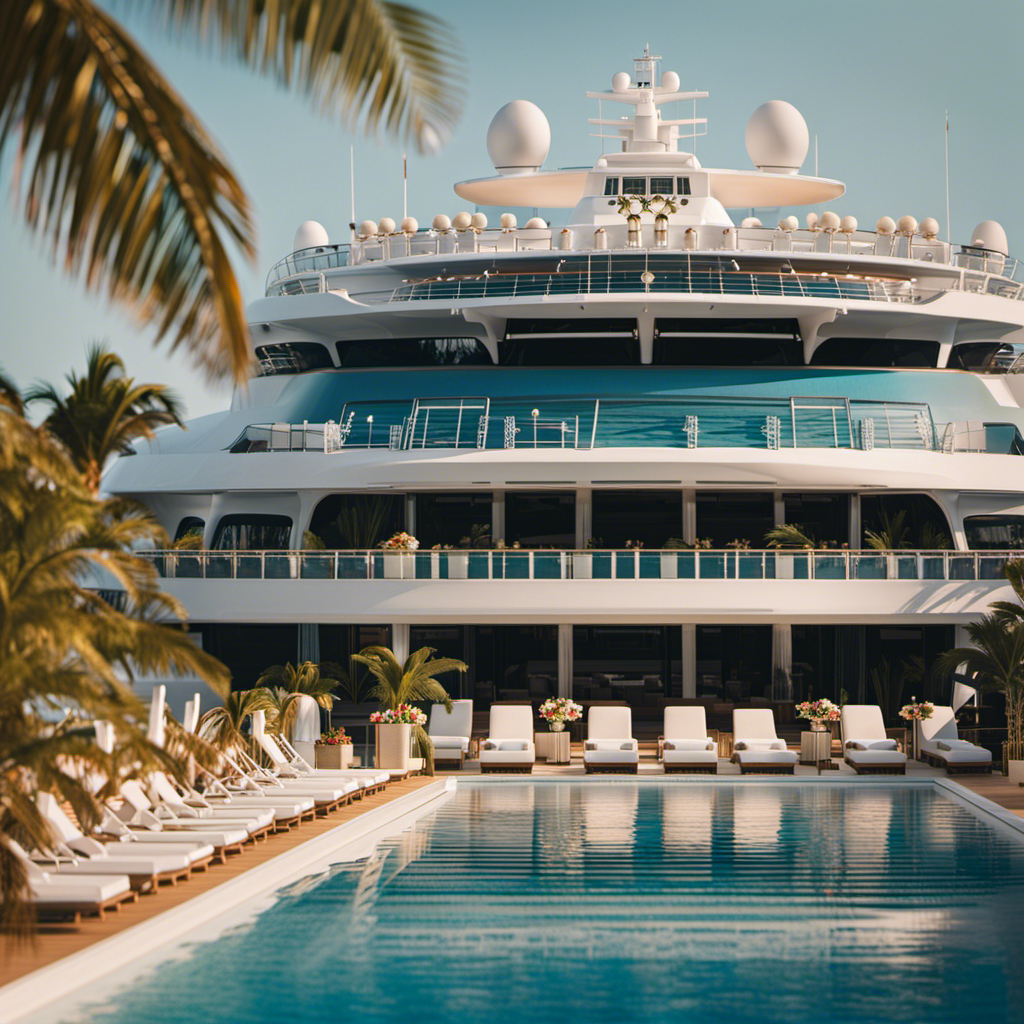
(592, 429)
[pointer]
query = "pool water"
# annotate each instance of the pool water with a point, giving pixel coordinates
(619, 901)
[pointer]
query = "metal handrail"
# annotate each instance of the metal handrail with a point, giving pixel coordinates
(822, 564)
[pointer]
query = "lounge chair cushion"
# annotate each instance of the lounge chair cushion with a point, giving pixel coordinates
(491, 745)
(610, 745)
(968, 753)
(451, 743)
(517, 756)
(759, 745)
(871, 744)
(764, 755)
(859, 756)
(612, 755)
(700, 755)
(681, 745)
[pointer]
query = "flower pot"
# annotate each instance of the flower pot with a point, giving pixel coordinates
(393, 747)
(336, 755)
(399, 565)
(1015, 771)
(556, 726)
(817, 726)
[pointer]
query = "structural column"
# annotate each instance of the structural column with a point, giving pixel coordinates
(782, 663)
(689, 515)
(565, 659)
(400, 641)
(856, 538)
(498, 517)
(689, 656)
(584, 516)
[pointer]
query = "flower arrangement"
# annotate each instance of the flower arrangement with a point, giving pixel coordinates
(400, 541)
(334, 738)
(556, 711)
(917, 710)
(404, 714)
(821, 710)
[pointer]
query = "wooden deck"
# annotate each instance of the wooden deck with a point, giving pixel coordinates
(54, 941)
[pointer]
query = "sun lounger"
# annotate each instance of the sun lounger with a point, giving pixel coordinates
(866, 748)
(609, 746)
(509, 744)
(756, 746)
(450, 732)
(940, 745)
(371, 780)
(687, 746)
(170, 802)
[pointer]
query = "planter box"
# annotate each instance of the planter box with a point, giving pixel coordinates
(669, 565)
(393, 743)
(1015, 771)
(458, 565)
(582, 567)
(399, 565)
(333, 756)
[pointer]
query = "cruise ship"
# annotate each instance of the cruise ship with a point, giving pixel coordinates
(591, 431)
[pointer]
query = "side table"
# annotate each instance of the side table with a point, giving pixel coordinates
(552, 747)
(816, 749)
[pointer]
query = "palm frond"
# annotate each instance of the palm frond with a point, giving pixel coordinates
(893, 535)
(10, 397)
(789, 535)
(131, 191)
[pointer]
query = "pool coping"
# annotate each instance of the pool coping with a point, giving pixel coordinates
(356, 838)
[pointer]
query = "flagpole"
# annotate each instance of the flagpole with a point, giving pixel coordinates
(352, 183)
(405, 187)
(949, 228)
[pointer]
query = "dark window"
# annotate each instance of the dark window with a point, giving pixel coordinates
(824, 517)
(413, 352)
(248, 650)
(638, 665)
(190, 524)
(701, 342)
(682, 186)
(358, 521)
(545, 519)
(977, 355)
(994, 532)
(634, 186)
(459, 520)
(661, 186)
(724, 518)
(570, 343)
(872, 352)
(292, 357)
(646, 517)
(246, 532)
(611, 186)
(923, 524)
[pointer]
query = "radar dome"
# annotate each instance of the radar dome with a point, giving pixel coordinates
(621, 81)
(989, 234)
(670, 82)
(309, 235)
(386, 225)
(518, 138)
(777, 138)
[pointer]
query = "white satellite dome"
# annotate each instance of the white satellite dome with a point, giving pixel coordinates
(410, 225)
(929, 227)
(789, 223)
(479, 221)
(621, 81)
(829, 221)
(461, 221)
(386, 226)
(518, 138)
(670, 82)
(989, 234)
(885, 226)
(367, 228)
(536, 224)
(777, 137)
(848, 224)
(310, 235)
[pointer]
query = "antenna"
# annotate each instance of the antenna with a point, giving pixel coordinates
(352, 182)
(949, 228)
(815, 154)
(405, 187)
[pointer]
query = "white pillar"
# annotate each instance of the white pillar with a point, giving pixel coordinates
(782, 662)
(498, 517)
(410, 514)
(400, 641)
(565, 659)
(689, 655)
(584, 516)
(856, 537)
(779, 508)
(689, 515)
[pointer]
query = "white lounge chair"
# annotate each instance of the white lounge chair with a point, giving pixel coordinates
(686, 746)
(866, 748)
(450, 732)
(610, 746)
(170, 803)
(371, 780)
(940, 745)
(756, 746)
(509, 744)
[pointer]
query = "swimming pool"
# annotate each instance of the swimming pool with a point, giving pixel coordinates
(602, 901)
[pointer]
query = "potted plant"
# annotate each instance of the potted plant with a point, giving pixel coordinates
(394, 735)
(397, 684)
(914, 712)
(318, 566)
(334, 749)
(398, 556)
(819, 713)
(556, 711)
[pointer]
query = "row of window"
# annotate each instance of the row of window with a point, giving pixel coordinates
(655, 185)
(650, 518)
(676, 343)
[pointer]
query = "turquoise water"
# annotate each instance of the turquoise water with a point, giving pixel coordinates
(615, 901)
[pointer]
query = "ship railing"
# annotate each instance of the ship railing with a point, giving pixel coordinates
(698, 421)
(685, 564)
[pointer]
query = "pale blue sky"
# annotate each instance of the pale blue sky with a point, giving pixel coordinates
(872, 80)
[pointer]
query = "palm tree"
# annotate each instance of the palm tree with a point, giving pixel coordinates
(362, 523)
(222, 727)
(64, 644)
(104, 412)
(789, 535)
(285, 684)
(1012, 611)
(122, 178)
(893, 535)
(408, 683)
(996, 662)
(10, 397)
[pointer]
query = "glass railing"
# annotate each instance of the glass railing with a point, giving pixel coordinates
(630, 564)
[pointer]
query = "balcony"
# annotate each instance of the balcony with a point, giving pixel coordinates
(546, 565)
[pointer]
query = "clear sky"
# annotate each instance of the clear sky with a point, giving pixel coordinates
(873, 80)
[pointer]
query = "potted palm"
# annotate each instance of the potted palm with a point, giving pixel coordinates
(396, 686)
(293, 695)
